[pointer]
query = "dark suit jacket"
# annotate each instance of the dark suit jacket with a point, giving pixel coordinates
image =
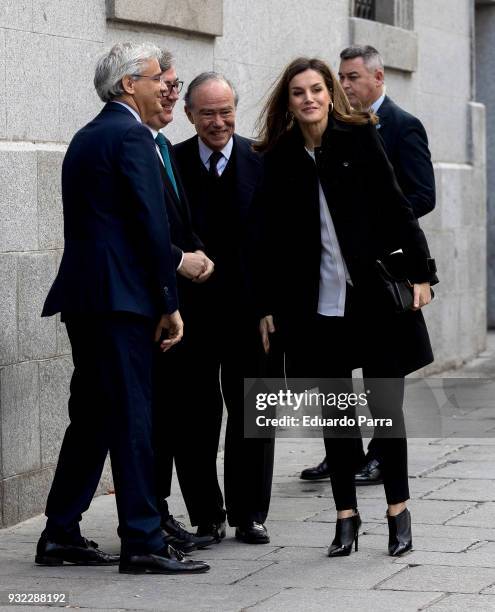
(248, 172)
(371, 218)
(406, 145)
(248, 175)
(183, 237)
(117, 254)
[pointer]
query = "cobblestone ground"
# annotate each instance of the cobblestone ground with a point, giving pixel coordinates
(451, 568)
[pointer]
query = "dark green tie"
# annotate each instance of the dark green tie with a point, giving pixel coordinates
(161, 141)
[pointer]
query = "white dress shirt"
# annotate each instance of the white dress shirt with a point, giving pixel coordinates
(154, 133)
(376, 104)
(205, 153)
(333, 270)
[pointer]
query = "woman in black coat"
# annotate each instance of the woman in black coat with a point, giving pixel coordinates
(331, 208)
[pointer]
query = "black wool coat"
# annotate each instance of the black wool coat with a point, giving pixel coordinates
(248, 169)
(371, 218)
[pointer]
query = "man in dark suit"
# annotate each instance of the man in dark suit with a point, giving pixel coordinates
(116, 291)
(192, 265)
(362, 77)
(220, 172)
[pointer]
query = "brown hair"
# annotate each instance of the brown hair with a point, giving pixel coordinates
(274, 120)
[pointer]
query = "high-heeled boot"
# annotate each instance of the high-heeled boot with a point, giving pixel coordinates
(346, 532)
(399, 533)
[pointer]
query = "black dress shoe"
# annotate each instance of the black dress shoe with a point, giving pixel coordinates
(346, 532)
(371, 474)
(178, 537)
(185, 547)
(319, 472)
(252, 533)
(84, 553)
(399, 533)
(165, 561)
(211, 530)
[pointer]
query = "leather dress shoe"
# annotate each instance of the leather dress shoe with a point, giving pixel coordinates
(185, 547)
(84, 553)
(319, 472)
(212, 530)
(371, 474)
(165, 561)
(252, 533)
(178, 537)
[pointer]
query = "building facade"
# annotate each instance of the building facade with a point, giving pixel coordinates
(485, 93)
(48, 50)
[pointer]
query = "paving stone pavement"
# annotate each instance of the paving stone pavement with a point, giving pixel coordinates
(451, 568)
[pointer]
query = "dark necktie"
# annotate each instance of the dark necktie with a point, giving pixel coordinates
(215, 157)
(161, 141)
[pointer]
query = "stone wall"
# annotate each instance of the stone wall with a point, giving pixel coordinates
(456, 230)
(48, 50)
(485, 92)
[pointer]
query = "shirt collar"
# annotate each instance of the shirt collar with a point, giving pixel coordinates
(154, 133)
(130, 109)
(376, 104)
(205, 151)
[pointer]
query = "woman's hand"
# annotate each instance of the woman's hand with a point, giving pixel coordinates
(421, 295)
(266, 327)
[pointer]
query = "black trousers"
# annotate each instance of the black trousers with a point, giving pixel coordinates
(328, 349)
(109, 410)
(191, 384)
(372, 452)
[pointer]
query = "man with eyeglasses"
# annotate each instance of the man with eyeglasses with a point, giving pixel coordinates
(116, 292)
(192, 266)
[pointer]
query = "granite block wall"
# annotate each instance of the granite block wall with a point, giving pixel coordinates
(485, 92)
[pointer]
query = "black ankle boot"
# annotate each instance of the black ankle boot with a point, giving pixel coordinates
(346, 532)
(399, 533)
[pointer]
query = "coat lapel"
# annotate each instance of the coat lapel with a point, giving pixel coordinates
(247, 172)
(178, 202)
(384, 116)
(169, 188)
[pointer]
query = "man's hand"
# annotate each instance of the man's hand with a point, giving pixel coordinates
(208, 269)
(421, 295)
(196, 266)
(266, 327)
(193, 264)
(174, 327)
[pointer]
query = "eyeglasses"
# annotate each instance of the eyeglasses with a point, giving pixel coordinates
(171, 85)
(157, 78)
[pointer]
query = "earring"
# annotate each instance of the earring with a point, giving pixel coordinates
(330, 109)
(289, 116)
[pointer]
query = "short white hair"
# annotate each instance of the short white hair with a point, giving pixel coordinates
(123, 59)
(204, 77)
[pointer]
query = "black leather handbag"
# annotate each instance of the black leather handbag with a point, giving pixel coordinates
(392, 276)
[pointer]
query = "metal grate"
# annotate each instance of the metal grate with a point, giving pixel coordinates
(365, 9)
